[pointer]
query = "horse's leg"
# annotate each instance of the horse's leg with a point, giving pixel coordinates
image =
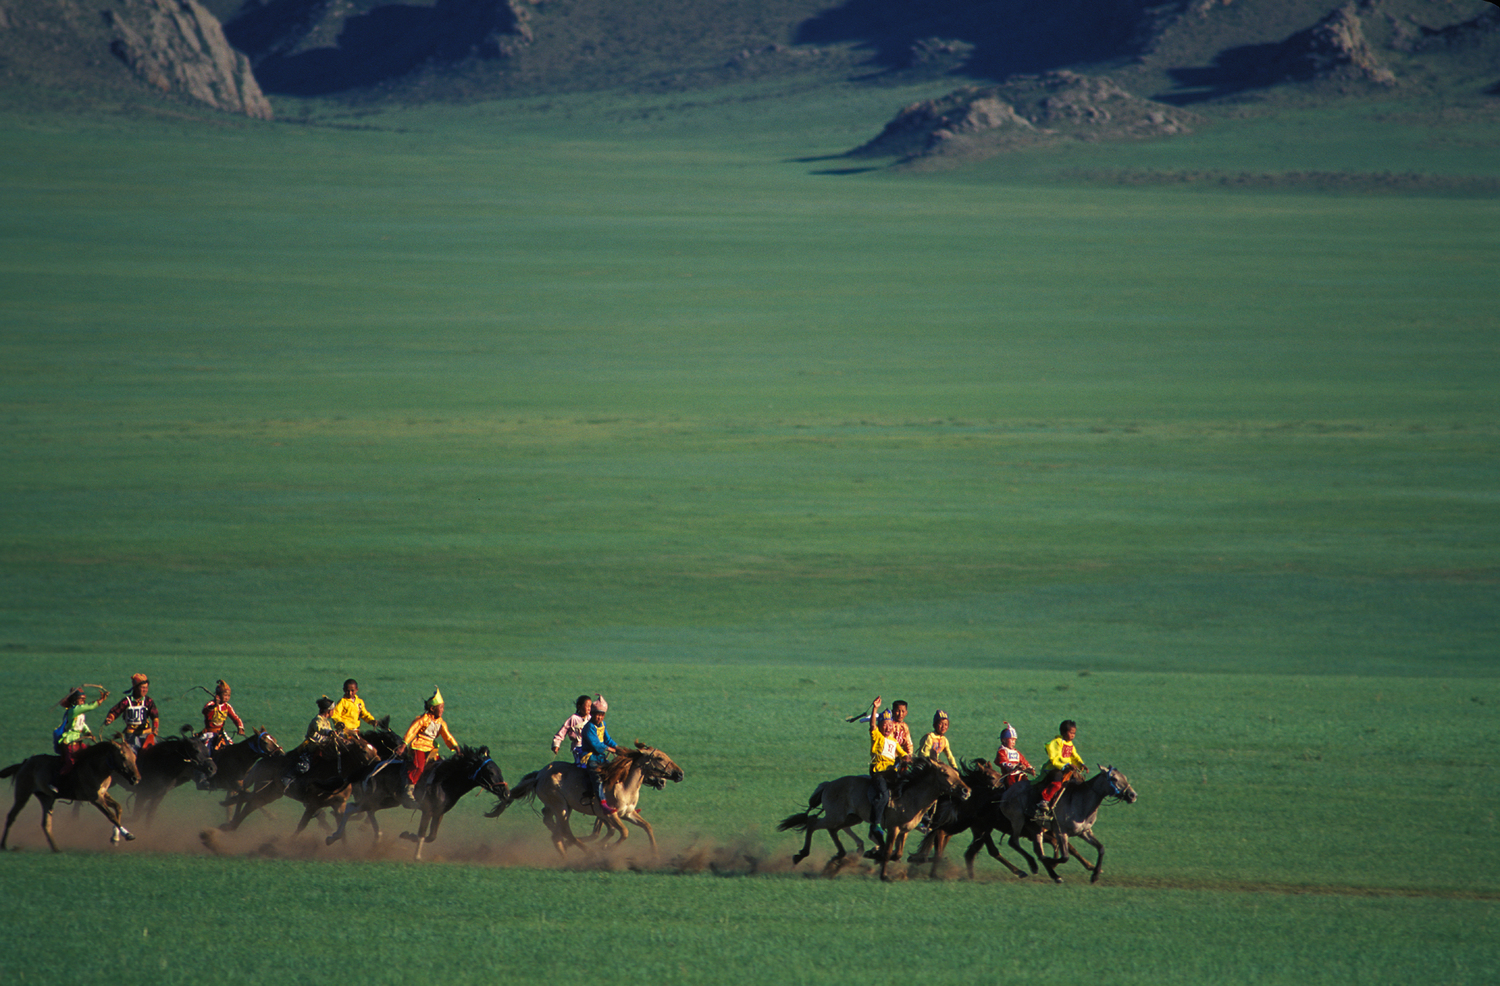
(891, 841)
(1015, 843)
(635, 818)
(617, 827)
(250, 802)
(47, 805)
(928, 841)
(973, 849)
(798, 857)
(1098, 866)
(988, 841)
(309, 812)
(938, 839)
(110, 808)
(1046, 858)
(23, 795)
(343, 821)
(437, 819)
(429, 821)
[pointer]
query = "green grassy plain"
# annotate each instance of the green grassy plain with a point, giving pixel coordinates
(526, 399)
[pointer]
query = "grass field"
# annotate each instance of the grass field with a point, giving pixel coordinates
(528, 399)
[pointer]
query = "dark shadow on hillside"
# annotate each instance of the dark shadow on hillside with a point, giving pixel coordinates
(999, 38)
(1232, 71)
(384, 42)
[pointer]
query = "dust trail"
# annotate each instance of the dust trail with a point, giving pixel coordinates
(189, 826)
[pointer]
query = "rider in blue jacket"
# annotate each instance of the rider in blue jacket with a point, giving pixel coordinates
(597, 746)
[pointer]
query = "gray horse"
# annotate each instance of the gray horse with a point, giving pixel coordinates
(1073, 817)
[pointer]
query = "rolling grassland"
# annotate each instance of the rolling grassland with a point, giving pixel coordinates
(525, 399)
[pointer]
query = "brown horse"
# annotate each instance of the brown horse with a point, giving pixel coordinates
(846, 802)
(451, 779)
(338, 759)
(164, 765)
(565, 788)
(1073, 817)
(88, 781)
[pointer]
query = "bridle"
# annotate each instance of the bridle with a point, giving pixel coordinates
(1115, 790)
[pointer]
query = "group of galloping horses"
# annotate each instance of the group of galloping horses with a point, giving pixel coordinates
(348, 774)
(974, 799)
(357, 773)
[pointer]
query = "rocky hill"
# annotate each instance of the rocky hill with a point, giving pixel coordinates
(1143, 60)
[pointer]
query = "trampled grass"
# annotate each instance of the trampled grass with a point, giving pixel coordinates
(624, 397)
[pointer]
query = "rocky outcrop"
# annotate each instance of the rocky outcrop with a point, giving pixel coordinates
(1335, 46)
(1025, 111)
(179, 47)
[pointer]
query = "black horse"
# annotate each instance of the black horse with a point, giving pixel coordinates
(164, 765)
(978, 813)
(450, 780)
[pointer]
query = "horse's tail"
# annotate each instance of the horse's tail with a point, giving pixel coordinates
(815, 800)
(524, 788)
(801, 820)
(11, 770)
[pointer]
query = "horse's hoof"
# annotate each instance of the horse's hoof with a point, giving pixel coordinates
(129, 836)
(409, 837)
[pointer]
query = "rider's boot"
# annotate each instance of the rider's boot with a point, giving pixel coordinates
(877, 836)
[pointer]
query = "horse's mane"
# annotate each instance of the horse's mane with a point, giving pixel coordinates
(99, 750)
(615, 770)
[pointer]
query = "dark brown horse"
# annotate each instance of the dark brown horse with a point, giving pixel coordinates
(952, 816)
(338, 759)
(88, 781)
(451, 779)
(233, 761)
(845, 802)
(164, 765)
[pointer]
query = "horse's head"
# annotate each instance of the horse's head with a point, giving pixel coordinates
(950, 782)
(122, 760)
(656, 767)
(485, 772)
(201, 755)
(980, 775)
(264, 744)
(1115, 784)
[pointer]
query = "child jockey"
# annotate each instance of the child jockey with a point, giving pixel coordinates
(1009, 761)
(935, 743)
(216, 715)
(1063, 762)
(597, 746)
(68, 739)
(422, 736)
(572, 729)
(138, 712)
(350, 710)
